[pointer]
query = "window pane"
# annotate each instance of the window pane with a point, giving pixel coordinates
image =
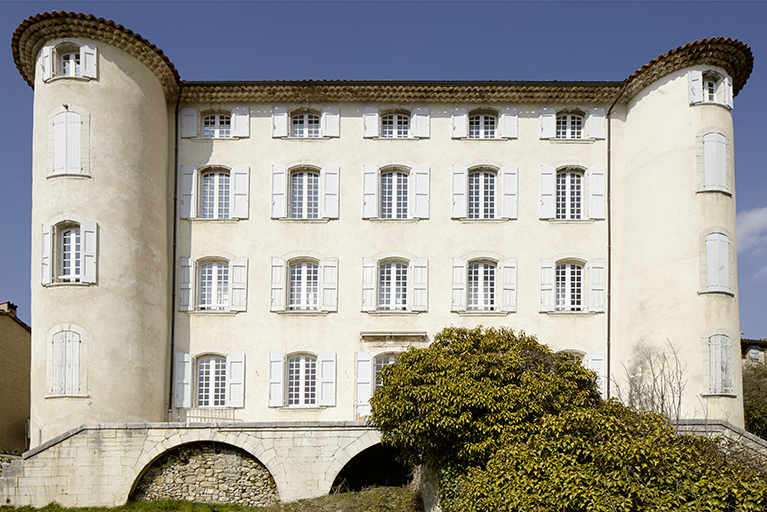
(214, 285)
(481, 195)
(569, 195)
(70, 255)
(211, 382)
(392, 290)
(305, 195)
(304, 286)
(302, 380)
(568, 284)
(481, 286)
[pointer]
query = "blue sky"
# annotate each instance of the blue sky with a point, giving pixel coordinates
(411, 41)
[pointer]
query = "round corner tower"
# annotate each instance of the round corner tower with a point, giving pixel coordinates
(100, 221)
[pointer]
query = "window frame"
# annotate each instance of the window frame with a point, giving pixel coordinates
(569, 195)
(191, 192)
(720, 364)
(219, 278)
(485, 291)
(478, 128)
(570, 125)
(52, 61)
(483, 200)
(380, 361)
(381, 292)
(701, 81)
(84, 258)
(306, 130)
(307, 288)
(569, 288)
(221, 194)
(398, 118)
(417, 196)
(393, 281)
(306, 198)
(394, 197)
(216, 388)
(306, 386)
(66, 360)
(218, 129)
(190, 283)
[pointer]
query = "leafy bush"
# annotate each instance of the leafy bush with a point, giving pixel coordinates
(755, 398)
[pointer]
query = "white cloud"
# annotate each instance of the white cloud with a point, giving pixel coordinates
(752, 231)
(761, 273)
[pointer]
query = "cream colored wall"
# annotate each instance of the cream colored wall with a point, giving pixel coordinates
(14, 384)
(125, 313)
(659, 221)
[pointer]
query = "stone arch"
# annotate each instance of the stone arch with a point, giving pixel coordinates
(373, 466)
(346, 453)
(209, 472)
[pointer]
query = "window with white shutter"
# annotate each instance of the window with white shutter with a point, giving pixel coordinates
(715, 162)
(212, 284)
(302, 380)
(363, 384)
(214, 193)
(67, 143)
(395, 192)
(69, 60)
(717, 263)
(217, 124)
(69, 252)
(305, 192)
(395, 284)
(709, 87)
(720, 364)
(484, 285)
(65, 354)
(183, 381)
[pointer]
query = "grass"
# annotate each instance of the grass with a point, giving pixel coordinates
(377, 499)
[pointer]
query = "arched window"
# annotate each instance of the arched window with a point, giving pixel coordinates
(65, 377)
(214, 285)
(211, 381)
(381, 361)
(711, 85)
(214, 199)
(394, 194)
(392, 286)
(69, 252)
(395, 125)
(569, 126)
(569, 192)
(304, 194)
(69, 264)
(216, 126)
(302, 380)
(481, 195)
(481, 286)
(482, 125)
(305, 125)
(569, 287)
(304, 286)
(68, 60)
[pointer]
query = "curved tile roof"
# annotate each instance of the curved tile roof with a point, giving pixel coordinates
(733, 56)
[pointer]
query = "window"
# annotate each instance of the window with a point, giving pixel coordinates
(720, 364)
(712, 174)
(569, 195)
(562, 196)
(211, 382)
(220, 285)
(69, 252)
(381, 361)
(394, 284)
(216, 126)
(482, 126)
(569, 280)
(304, 194)
(302, 380)
(223, 193)
(709, 87)
(395, 192)
(312, 284)
(717, 263)
(219, 381)
(367, 369)
(225, 124)
(562, 286)
(484, 193)
(311, 193)
(306, 124)
(67, 143)
(483, 285)
(65, 351)
(753, 353)
(484, 123)
(396, 124)
(569, 126)
(68, 60)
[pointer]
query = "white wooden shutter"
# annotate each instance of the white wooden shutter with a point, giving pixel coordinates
(548, 191)
(47, 63)
(74, 128)
(548, 117)
(89, 67)
(278, 285)
(235, 380)
(72, 363)
(547, 286)
(419, 177)
(508, 191)
(239, 192)
(508, 284)
(46, 245)
(370, 121)
(238, 284)
(508, 123)
(419, 123)
(369, 191)
(695, 86)
(459, 285)
(60, 143)
(329, 284)
(329, 122)
(727, 83)
(726, 344)
(185, 281)
(717, 270)
(330, 184)
(279, 122)
(326, 363)
(459, 184)
(419, 285)
(279, 191)
(714, 161)
(597, 123)
(715, 363)
(595, 361)
(460, 120)
(597, 279)
(183, 391)
(88, 252)
(276, 380)
(368, 284)
(363, 385)
(241, 122)
(188, 188)
(597, 192)
(188, 122)
(58, 373)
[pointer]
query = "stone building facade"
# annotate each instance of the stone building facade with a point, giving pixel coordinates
(14, 380)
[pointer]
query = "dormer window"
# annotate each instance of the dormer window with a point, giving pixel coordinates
(569, 126)
(482, 125)
(395, 123)
(221, 123)
(68, 60)
(395, 126)
(709, 87)
(305, 125)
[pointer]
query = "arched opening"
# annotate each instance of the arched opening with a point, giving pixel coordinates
(373, 467)
(207, 472)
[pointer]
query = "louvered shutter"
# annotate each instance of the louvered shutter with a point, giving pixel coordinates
(88, 232)
(597, 123)
(726, 345)
(183, 391)
(241, 122)
(60, 143)
(188, 122)
(460, 120)
(595, 361)
(459, 184)
(330, 185)
(188, 188)
(73, 158)
(714, 161)
(548, 118)
(238, 284)
(329, 122)
(47, 63)
(329, 284)
(597, 279)
(727, 82)
(368, 284)
(239, 192)
(508, 191)
(369, 191)
(278, 285)
(717, 249)
(363, 388)
(419, 285)
(597, 192)
(548, 191)
(715, 363)
(46, 245)
(508, 284)
(326, 363)
(370, 121)
(276, 380)
(695, 86)
(235, 380)
(459, 285)
(279, 191)
(547, 286)
(419, 123)
(279, 122)
(420, 187)
(58, 353)
(72, 363)
(88, 59)
(185, 280)
(508, 123)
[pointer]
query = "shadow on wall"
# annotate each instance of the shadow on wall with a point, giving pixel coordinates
(373, 467)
